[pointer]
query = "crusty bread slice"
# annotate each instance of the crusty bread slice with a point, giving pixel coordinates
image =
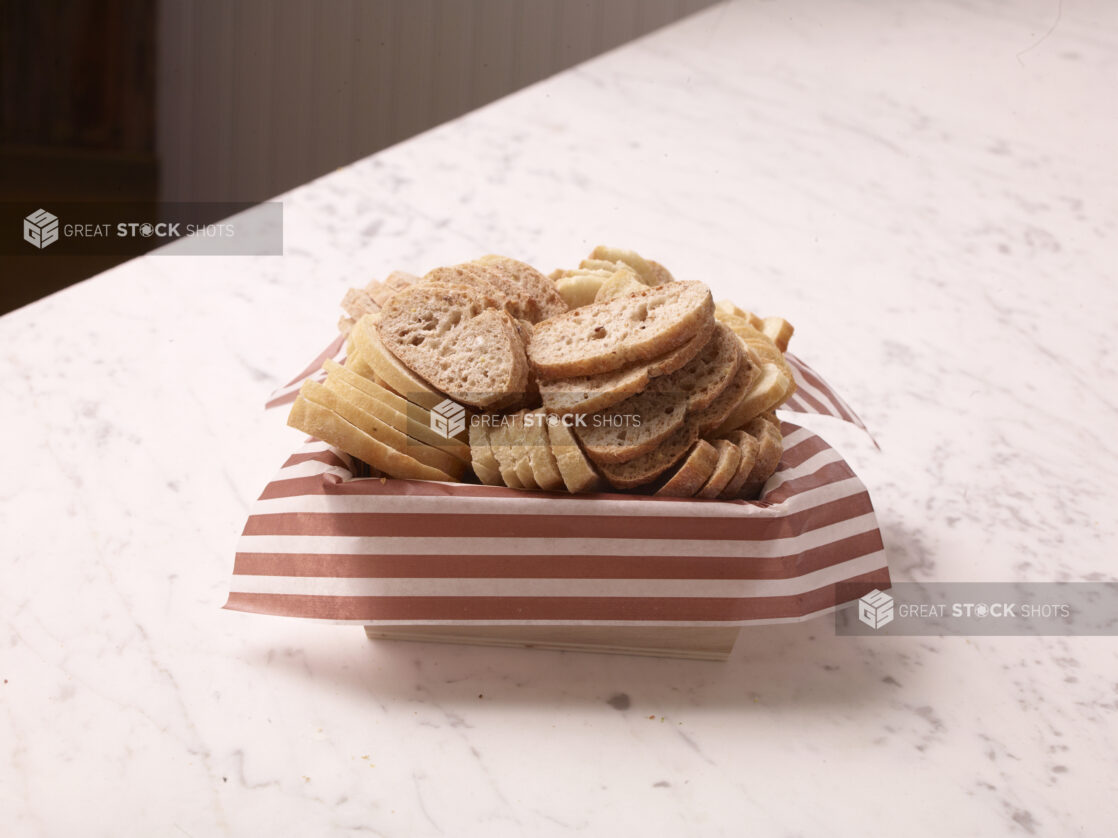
(447, 336)
(606, 336)
(641, 422)
(579, 474)
(410, 418)
(647, 467)
(501, 444)
(769, 389)
(693, 472)
(748, 446)
(323, 423)
(547, 298)
(545, 470)
(622, 283)
(593, 393)
(465, 277)
(484, 463)
(729, 458)
(368, 414)
(388, 367)
(770, 447)
(709, 419)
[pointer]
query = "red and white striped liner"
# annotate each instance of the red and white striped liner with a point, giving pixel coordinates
(320, 544)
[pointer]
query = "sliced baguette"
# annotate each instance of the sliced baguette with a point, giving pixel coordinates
(622, 283)
(484, 463)
(322, 423)
(548, 300)
(501, 444)
(748, 446)
(579, 474)
(729, 458)
(387, 367)
(366, 413)
(647, 467)
(593, 393)
(769, 389)
(417, 419)
(649, 275)
(579, 288)
(607, 336)
(612, 436)
(545, 469)
(447, 337)
(693, 472)
(770, 447)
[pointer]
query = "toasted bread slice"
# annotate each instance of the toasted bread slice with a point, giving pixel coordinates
(693, 473)
(729, 458)
(323, 423)
(579, 474)
(607, 336)
(449, 338)
(593, 393)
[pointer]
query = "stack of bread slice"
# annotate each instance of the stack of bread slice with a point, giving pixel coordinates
(610, 375)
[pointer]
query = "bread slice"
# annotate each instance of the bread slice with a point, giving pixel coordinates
(578, 472)
(381, 292)
(466, 277)
(548, 301)
(323, 423)
(521, 455)
(647, 467)
(623, 283)
(606, 336)
(579, 288)
(545, 469)
(482, 459)
(748, 447)
(779, 331)
(770, 447)
(593, 393)
(366, 413)
(709, 419)
(641, 422)
(412, 419)
(693, 472)
(383, 364)
(729, 458)
(501, 444)
(770, 388)
(447, 336)
(650, 273)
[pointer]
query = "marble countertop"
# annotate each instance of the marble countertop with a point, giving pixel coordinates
(927, 190)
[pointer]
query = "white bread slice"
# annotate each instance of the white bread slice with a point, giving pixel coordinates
(446, 336)
(522, 458)
(416, 420)
(579, 474)
(545, 470)
(622, 283)
(779, 331)
(606, 336)
(748, 446)
(501, 444)
(693, 472)
(351, 405)
(613, 435)
(484, 463)
(729, 458)
(593, 393)
(323, 423)
(388, 368)
(579, 288)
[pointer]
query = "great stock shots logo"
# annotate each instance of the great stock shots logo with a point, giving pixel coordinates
(448, 419)
(40, 228)
(875, 609)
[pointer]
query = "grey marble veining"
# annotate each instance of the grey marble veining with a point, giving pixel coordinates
(927, 190)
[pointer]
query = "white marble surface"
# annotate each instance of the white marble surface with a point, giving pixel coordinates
(927, 190)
